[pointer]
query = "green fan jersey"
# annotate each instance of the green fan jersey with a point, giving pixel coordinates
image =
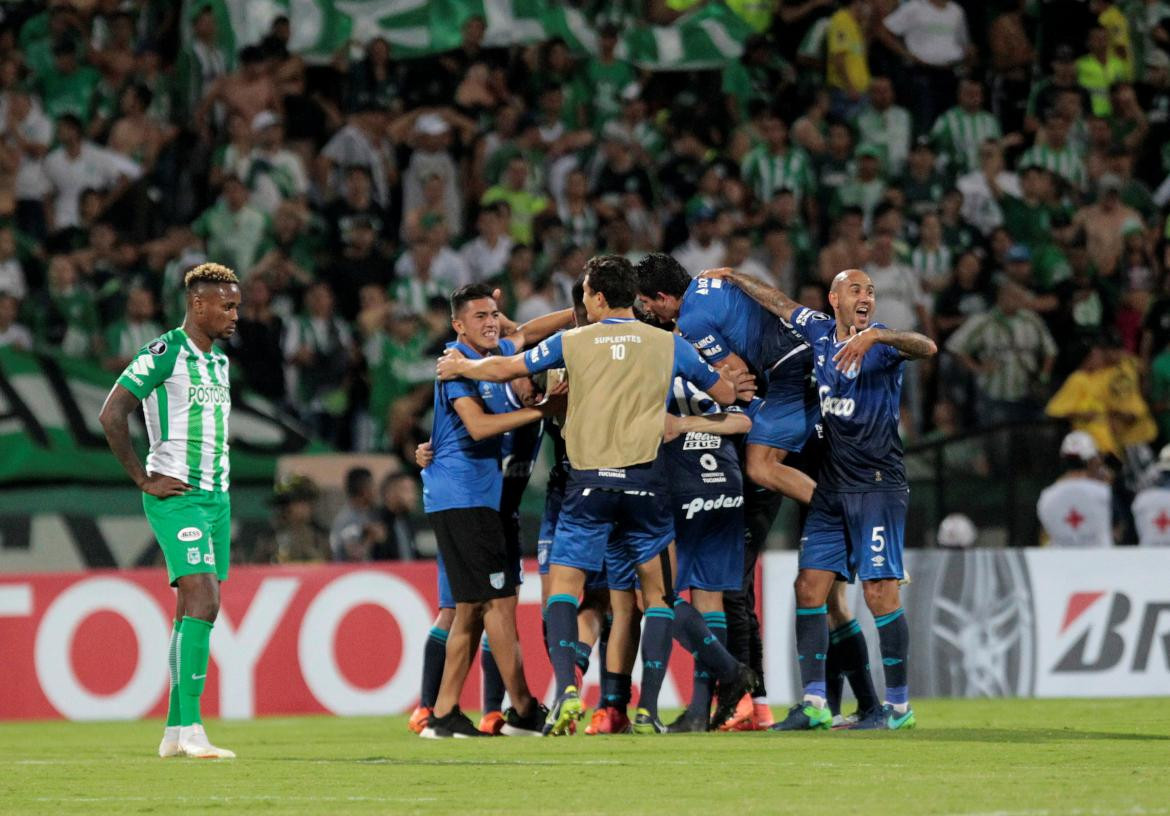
(186, 399)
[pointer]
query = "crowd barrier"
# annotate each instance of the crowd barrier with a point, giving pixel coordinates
(349, 640)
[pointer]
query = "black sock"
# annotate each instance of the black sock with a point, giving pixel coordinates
(603, 641)
(711, 652)
(434, 656)
(655, 656)
(848, 649)
(561, 614)
(894, 636)
(493, 683)
(812, 642)
(582, 660)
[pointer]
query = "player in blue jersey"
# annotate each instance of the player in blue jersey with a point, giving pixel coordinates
(731, 330)
(706, 494)
(462, 489)
(616, 482)
(857, 518)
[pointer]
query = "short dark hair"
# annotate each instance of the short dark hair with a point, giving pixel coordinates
(251, 55)
(357, 480)
(465, 294)
(579, 292)
(72, 121)
(659, 272)
(614, 277)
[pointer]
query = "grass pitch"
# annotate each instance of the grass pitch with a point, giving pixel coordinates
(966, 757)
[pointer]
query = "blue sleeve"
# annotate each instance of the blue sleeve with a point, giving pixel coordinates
(546, 355)
(811, 324)
(690, 366)
(507, 348)
(462, 387)
(704, 335)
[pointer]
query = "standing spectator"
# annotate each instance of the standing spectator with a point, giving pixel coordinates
(1077, 509)
(236, 233)
(360, 264)
(429, 268)
(430, 139)
(1099, 69)
(931, 36)
(931, 259)
(356, 529)
(318, 351)
(738, 256)
(255, 346)
(523, 205)
(1103, 224)
(866, 189)
(1054, 152)
(125, 337)
(12, 277)
(886, 125)
(961, 131)
(364, 142)
(399, 493)
(847, 250)
(78, 165)
(12, 334)
(357, 203)
(1012, 57)
(847, 68)
(25, 134)
(247, 91)
(922, 185)
(1151, 506)
(776, 164)
(577, 212)
(604, 76)
(1045, 92)
(70, 87)
(200, 65)
(1011, 353)
(272, 172)
(137, 135)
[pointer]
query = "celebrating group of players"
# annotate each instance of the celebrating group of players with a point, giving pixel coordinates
(655, 432)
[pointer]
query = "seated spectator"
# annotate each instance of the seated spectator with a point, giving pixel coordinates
(25, 135)
(1077, 509)
(294, 536)
(400, 498)
(356, 529)
(65, 315)
(1151, 506)
(78, 165)
(12, 278)
(236, 234)
(12, 333)
(126, 337)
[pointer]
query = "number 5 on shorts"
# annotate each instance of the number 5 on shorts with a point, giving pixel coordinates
(879, 537)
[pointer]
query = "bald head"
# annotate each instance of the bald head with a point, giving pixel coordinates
(849, 276)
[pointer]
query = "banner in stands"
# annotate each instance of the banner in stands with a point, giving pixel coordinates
(349, 640)
(49, 430)
(705, 38)
(1007, 623)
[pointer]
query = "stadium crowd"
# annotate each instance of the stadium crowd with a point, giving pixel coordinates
(999, 169)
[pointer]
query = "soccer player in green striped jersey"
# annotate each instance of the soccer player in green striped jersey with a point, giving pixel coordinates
(181, 380)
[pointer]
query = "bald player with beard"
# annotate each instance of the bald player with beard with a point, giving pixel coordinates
(857, 517)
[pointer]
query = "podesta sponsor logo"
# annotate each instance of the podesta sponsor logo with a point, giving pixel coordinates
(835, 406)
(701, 505)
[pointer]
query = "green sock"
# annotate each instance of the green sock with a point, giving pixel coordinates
(172, 656)
(194, 650)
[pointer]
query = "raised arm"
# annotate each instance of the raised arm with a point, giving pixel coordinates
(767, 296)
(491, 369)
(115, 420)
(540, 328)
(912, 345)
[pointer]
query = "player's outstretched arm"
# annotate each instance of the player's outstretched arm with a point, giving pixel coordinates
(115, 420)
(491, 369)
(723, 424)
(767, 296)
(540, 328)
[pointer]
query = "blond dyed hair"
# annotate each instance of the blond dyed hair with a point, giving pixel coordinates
(209, 273)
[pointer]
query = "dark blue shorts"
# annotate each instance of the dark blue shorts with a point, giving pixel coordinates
(709, 536)
(856, 535)
(611, 528)
(785, 420)
(553, 500)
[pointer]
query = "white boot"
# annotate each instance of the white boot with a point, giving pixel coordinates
(193, 742)
(169, 747)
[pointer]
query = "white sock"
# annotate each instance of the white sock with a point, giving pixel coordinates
(901, 708)
(815, 700)
(759, 700)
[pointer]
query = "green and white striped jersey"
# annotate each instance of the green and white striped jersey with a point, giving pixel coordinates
(766, 173)
(186, 399)
(959, 134)
(1065, 162)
